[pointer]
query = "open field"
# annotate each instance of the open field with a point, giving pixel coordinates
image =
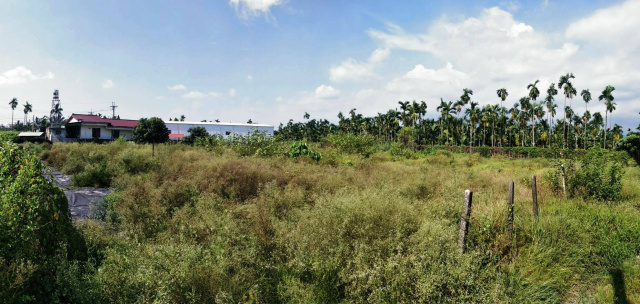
(193, 225)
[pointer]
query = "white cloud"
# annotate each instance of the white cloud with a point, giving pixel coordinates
(352, 70)
(232, 92)
(177, 87)
(249, 77)
(159, 97)
(616, 25)
(21, 75)
(419, 77)
(107, 84)
(326, 92)
(194, 95)
(511, 6)
(252, 8)
(279, 99)
(214, 94)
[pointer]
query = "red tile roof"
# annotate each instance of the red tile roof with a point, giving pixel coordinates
(125, 123)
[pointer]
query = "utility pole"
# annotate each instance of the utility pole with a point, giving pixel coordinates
(113, 110)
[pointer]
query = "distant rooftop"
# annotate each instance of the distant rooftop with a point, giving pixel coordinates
(216, 123)
(125, 123)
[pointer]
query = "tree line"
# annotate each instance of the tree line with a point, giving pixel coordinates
(532, 121)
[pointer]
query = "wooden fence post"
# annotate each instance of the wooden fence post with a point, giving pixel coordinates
(510, 211)
(534, 195)
(464, 220)
(564, 183)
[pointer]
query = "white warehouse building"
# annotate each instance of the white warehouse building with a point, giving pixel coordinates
(179, 129)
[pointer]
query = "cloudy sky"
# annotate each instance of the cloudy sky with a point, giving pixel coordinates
(272, 60)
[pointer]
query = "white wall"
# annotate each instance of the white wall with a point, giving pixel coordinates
(221, 129)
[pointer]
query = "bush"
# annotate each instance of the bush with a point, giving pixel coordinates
(298, 149)
(36, 232)
(355, 144)
(597, 175)
(10, 136)
(631, 145)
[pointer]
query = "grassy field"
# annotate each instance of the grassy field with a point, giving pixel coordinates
(198, 226)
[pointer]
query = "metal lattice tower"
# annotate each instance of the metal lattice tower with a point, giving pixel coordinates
(55, 104)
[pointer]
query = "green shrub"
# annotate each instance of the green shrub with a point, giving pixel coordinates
(10, 136)
(93, 175)
(355, 144)
(36, 232)
(298, 149)
(631, 145)
(596, 175)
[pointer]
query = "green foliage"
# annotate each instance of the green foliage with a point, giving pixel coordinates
(191, 226)
(10, 136)
(362, 144)
(35, 228)
(250, 144)
(631, 145)
(298, 149)
(484, 151)
(596, 175)
(152, 131)
(398, 150)
(194, 134)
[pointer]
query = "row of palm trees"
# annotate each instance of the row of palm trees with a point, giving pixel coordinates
(528, 122)
(37, 122)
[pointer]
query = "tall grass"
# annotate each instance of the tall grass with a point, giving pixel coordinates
(194, 226)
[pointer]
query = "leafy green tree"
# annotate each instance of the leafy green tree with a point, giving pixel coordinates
(195, 133)
(152, 131)
(13, 103)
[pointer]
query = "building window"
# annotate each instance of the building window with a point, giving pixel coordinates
(57, 132)
(115, 134)
(227, 133)
(95, 132)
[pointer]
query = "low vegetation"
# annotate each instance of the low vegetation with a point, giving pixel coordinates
(242, 220)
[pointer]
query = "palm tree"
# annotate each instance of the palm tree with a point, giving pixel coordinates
(565, 82)
(27, 109)
(586, 96)
(13, 103)
(551, 107)
(473, 112)
(533, 95)
(586, 117)
(502, 94)
(608, 99)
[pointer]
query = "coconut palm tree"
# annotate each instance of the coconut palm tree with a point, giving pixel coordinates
(13, 103)
(608, 98)
(27, 109)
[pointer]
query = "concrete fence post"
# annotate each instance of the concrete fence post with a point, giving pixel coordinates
(534, 195)
(464, 220)
(510, 211)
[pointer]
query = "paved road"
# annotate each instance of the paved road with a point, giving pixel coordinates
(80, 200)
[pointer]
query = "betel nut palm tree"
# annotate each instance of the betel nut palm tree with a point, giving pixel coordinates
(608, 98)
(586, 96)
(533, 95)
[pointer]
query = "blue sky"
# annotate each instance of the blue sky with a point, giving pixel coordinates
(271, 60)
